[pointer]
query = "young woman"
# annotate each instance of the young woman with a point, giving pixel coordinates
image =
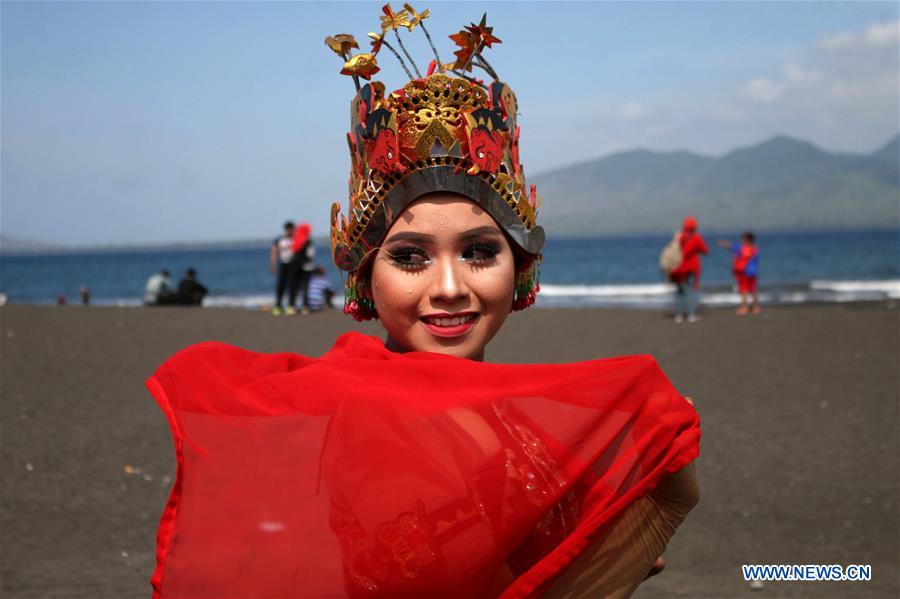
(410, 466)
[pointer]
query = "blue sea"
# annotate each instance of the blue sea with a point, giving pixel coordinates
(607, 271)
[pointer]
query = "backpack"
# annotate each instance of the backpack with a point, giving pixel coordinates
(670, 257)
(752, 268)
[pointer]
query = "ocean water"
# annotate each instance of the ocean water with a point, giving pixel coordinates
(609, 271)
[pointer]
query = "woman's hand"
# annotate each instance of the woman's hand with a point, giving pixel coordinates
(658, 566)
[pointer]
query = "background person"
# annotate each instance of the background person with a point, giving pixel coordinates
(303, 265)
(190, 291)
(745, 268)
(319, 291)
(687, 275)
(158, 289)
(281, 264)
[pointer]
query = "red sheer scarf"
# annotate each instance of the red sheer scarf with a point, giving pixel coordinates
(371, 473)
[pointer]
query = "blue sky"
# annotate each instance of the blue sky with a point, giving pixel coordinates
(128, 122)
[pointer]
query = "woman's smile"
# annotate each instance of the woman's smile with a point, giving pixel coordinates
(450, 325)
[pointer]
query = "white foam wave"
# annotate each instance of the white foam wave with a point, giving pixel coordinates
(661, 295)
(890, 289)
(653, 289)
(238, 301)
(117, 302)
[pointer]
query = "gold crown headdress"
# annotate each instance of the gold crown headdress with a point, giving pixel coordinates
(440, 132)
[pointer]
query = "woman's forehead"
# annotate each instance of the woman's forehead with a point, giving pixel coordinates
(447, 214)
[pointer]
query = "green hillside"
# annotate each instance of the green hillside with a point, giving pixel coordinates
(782, 183)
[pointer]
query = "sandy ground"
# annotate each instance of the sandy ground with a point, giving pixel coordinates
(799, 459)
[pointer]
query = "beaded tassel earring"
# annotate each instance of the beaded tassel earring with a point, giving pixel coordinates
(528, 285)
(357, 301)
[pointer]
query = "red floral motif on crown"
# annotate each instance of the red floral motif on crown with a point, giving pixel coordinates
(383, 152)
(485, 150)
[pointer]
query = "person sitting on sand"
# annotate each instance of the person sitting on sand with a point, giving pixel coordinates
(190, 291)
(158, 289)
(319, 290)
(745, 268)
(411, 466)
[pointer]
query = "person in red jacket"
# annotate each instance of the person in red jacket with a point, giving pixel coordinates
(745, 267)
(687, 275)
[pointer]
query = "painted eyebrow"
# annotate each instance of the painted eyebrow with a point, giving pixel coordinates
(410, 236)
(480, 232)
(426, 238)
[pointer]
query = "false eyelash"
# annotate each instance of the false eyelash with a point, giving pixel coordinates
(490, 249)
(400, 257)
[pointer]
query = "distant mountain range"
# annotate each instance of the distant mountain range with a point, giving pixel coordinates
(782, 183)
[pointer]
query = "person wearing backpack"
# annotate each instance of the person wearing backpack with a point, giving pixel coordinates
(686, 275)
(745, 267)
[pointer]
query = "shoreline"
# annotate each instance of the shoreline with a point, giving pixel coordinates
(640, 296)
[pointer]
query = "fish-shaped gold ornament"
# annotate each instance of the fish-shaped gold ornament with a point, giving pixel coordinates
(361, 65)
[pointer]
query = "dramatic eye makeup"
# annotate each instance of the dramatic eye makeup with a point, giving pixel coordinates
(481, 245)
(410, 250)
(480, 252)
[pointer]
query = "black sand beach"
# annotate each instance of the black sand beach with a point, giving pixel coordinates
(799, 459)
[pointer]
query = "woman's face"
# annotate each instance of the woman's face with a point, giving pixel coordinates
(443, 279)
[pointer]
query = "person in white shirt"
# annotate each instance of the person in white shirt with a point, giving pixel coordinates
(281, 264)
(158, 289)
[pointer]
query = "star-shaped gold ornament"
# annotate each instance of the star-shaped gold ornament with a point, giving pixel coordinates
(416, 18)
(393, 20)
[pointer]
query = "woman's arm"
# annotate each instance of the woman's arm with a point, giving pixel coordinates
(616, 564)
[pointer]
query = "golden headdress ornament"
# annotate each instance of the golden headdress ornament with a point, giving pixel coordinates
(444, 131)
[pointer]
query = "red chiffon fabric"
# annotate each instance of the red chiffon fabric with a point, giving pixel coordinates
(367, 473)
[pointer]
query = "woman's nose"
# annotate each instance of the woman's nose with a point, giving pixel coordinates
(450, 284)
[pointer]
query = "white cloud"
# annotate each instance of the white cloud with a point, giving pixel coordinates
(841, 91)
(877, 35)
(764, 90)
(870, 70)
(797, 74)
(633, 111)
(884, 85)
